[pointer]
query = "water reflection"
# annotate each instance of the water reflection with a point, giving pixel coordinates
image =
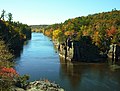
(90, 76)
(69, 69)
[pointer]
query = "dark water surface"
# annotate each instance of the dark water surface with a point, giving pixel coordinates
(40, 60)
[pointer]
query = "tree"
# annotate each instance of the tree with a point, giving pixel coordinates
(3, 15)
(10, 18)
(56, 34)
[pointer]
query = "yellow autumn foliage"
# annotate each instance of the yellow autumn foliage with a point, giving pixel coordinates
(96, 38)
(56, 34)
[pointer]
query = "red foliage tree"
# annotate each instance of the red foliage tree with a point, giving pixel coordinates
(8, 73)
(111, 32)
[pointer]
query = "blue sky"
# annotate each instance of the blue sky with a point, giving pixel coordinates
(35, 12)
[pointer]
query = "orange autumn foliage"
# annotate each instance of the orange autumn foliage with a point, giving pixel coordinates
(69, 33)
(111, 31)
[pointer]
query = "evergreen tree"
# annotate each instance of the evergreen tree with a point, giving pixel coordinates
(3, 15)
(10, 18)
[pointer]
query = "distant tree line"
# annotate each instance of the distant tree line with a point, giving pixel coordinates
(38, 28)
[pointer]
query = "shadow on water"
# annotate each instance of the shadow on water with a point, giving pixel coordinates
(19, 51)
(90, 76)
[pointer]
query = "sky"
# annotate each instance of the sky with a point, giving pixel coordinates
(36, 12)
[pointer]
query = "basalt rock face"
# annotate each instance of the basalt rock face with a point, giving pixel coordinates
(114, 52)
(85, 51)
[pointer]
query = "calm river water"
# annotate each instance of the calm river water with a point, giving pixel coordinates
(40, 60)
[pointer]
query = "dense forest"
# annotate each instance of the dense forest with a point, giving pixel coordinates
(102, 28)
(12, 37)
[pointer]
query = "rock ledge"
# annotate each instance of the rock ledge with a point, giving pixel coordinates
(41, 85)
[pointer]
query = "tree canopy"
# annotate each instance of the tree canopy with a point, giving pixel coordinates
(103, 28)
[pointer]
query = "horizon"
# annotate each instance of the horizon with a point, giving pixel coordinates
(47, 12)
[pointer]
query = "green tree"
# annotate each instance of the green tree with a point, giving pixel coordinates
(3, 15)
(10, 18)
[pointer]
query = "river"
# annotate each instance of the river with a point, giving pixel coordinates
(40, 60)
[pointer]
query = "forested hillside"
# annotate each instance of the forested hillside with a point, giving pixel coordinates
(103, 28)
(13, 33)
